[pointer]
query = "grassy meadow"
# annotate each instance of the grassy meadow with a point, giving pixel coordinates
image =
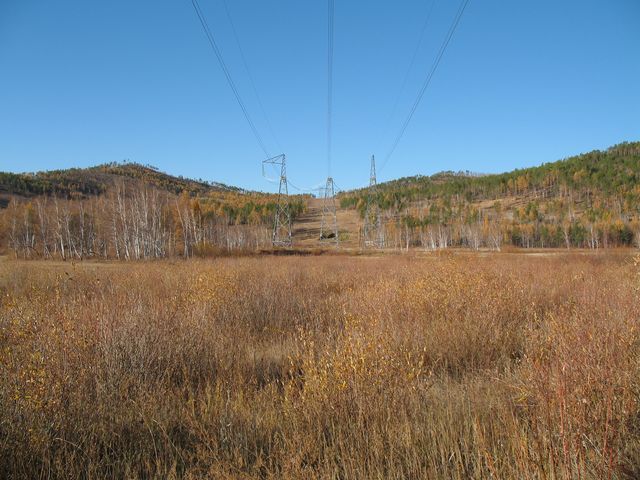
(328, 367)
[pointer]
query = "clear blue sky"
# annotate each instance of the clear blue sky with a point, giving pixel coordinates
(85, 82)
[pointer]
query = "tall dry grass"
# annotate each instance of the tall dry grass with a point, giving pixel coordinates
(452, 367)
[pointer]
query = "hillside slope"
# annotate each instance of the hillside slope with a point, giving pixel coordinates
(605, 173)
(591, 199)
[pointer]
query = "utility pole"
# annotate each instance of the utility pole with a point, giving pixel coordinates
(327, 232)
(281, 236)
(373, 232)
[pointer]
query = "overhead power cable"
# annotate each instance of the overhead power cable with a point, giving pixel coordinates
(427, 81)
(253, 83)
(412, 62)
(319, 186)
(338, 189)
(329, 83)
(271, 177)
(227, 74)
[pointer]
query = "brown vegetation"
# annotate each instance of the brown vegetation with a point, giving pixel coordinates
(503, 366)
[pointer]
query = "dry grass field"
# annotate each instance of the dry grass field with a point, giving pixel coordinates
(452, 366)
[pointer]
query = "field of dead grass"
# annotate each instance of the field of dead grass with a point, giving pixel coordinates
(494, 366)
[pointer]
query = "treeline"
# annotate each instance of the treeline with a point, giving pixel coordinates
(150, 175)
(490, 233)
(555, 224)
(71, 183)
(137, 222)
(615, 171)
(249, 207)
(83, 182)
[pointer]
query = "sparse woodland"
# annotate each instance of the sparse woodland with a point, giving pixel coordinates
(134, 220)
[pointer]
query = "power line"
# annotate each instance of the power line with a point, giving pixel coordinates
(298, 188)
(329, 201)
(411, 63)
(306, 189)
(338, 188)
(227, 74)
(330, 82)
(427, 81)
(246, 67)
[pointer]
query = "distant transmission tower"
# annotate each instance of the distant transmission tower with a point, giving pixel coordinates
(373, 232)
(282, 222)
(327, 231)
(329, 201)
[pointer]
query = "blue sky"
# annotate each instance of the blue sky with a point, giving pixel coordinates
(83, 83)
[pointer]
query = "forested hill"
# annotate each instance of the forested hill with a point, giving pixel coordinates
(130, 211)
(590, 199)
(84, 182)
(615, 171)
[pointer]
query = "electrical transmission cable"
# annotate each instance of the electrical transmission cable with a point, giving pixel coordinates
(306, 189)
(329, 83)
(227, 74)
(329, 203)
(412, 62)
(427, 81)
(246, 67)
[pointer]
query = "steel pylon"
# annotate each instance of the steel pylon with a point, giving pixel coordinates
(329, 232)
(373, 231)
(281, 236)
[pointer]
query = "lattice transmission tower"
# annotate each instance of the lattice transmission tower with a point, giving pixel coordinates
(329, 223)
(282, 221)
(373, 231)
